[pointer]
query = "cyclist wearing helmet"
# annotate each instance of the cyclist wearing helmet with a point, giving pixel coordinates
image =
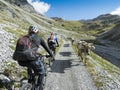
(36, 65)
(52, 41)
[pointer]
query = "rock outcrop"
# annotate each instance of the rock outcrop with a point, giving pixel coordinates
(22, 4)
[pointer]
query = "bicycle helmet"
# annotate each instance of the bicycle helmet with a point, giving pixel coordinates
(33, 29)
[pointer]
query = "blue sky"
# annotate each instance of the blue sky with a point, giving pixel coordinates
(76, 9)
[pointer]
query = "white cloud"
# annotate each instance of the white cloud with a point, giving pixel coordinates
(116, 11)
(39, 6)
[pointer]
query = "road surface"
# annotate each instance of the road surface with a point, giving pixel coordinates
(68, 73)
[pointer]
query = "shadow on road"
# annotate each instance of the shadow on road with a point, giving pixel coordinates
(65, 53)
(59, 66)
(64, 62)
(66, 45)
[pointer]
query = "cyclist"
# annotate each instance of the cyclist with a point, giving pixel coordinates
(52, 41)
(36, 64)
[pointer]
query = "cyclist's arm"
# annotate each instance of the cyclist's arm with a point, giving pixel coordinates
(46, 47)
(56, 41)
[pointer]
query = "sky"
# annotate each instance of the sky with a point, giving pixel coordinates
(76, 9)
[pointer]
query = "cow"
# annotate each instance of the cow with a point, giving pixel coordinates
(84, 50)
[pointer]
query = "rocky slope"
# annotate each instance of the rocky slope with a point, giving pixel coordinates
(113, 35)
(22, 4)
(108, 45)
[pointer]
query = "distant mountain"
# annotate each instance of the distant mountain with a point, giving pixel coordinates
(94, 26)
(112, 35)
(57, 19)
(101, 23)
(108, 18)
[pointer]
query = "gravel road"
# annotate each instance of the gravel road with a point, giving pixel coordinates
(68, 73)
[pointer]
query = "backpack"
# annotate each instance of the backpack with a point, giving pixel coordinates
(23, 50)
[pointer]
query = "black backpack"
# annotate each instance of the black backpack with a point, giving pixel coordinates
(23, 50)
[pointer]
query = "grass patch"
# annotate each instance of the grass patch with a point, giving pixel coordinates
(105, 64)
(18, 32)
(90, 67)
(12, 47)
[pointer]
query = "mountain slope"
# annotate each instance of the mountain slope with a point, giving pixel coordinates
(112, 35)
(22, 4)
(15, 15)
(94, 26)
(14, 22)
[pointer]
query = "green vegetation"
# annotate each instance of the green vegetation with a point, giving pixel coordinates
(18, 32)
(91, 68)
(12, 69)
(71, 25)
(12, 47)
(104, 65)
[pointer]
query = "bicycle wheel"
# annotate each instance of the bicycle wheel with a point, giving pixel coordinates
(54, 52)
(26, 86)
(42, 85)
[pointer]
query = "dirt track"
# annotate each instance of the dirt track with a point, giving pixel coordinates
(68, 73)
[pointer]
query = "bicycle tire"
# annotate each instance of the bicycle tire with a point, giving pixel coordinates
(45, 77)
(44, 82)
(54, 52)
(27, 86)
(42, 86)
